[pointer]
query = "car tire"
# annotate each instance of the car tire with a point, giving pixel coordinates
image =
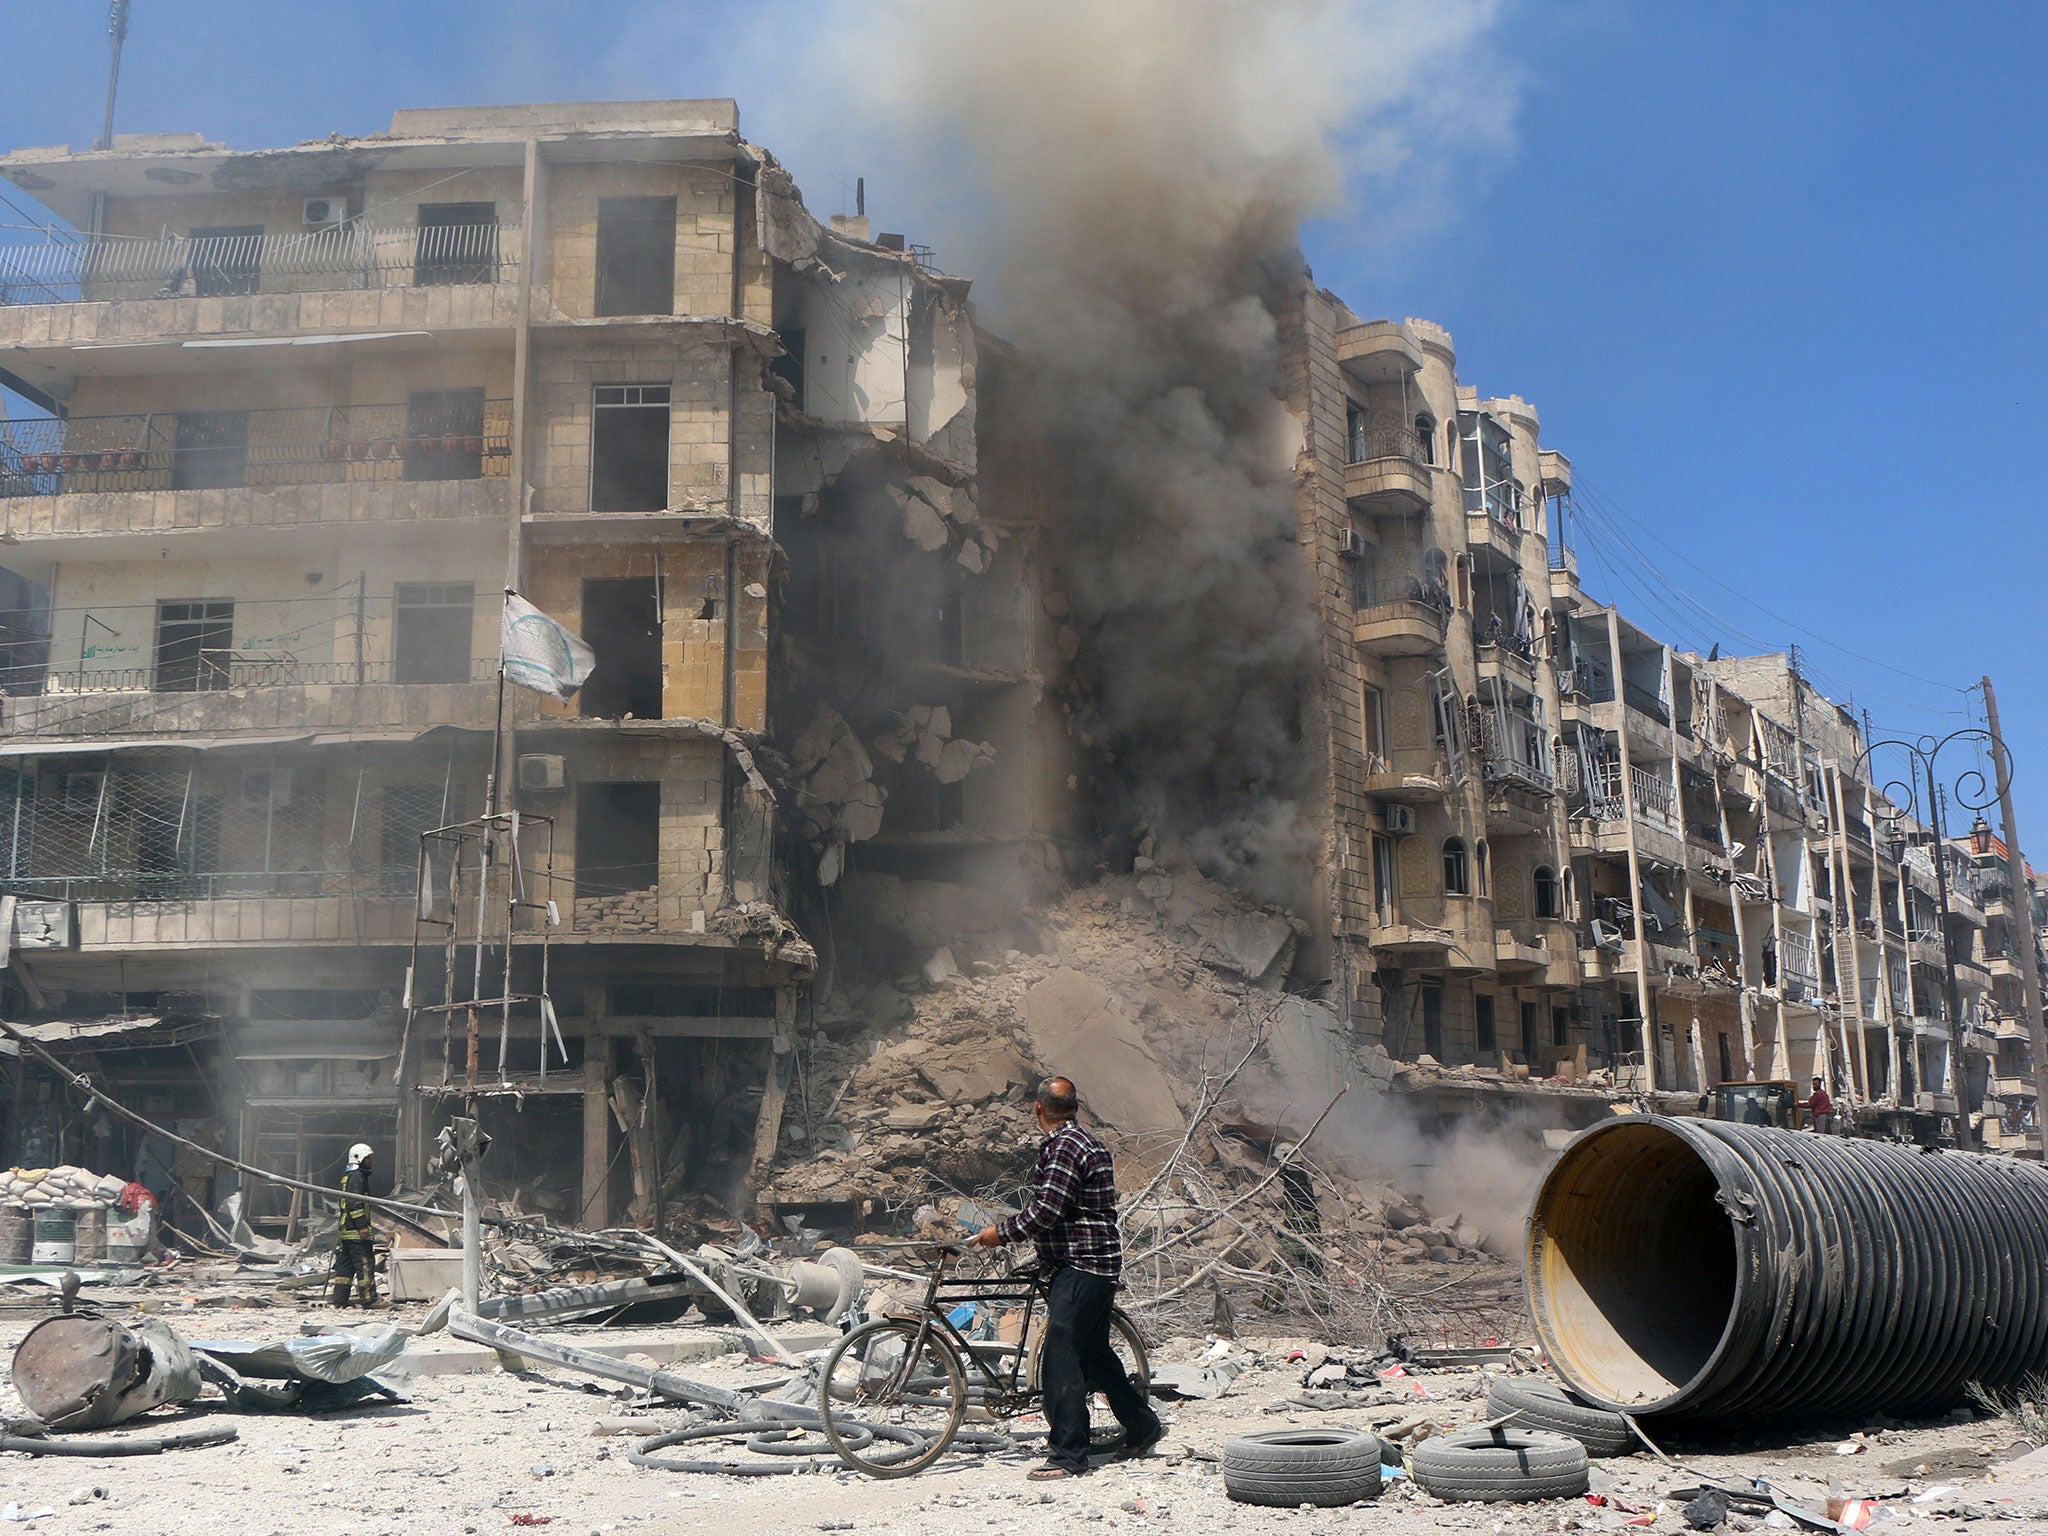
(1284, 1468)
(1538, 1404)
(1499, 1465)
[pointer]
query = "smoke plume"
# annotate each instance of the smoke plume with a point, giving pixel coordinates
(1132, 177)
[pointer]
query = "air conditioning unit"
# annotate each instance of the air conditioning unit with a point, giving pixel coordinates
(323, 212)
(1400, 820)
(1350, 545)
(543, 771)
(1605, 935)
(265, 787)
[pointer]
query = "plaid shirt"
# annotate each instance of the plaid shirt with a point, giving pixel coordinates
(1071, 1216)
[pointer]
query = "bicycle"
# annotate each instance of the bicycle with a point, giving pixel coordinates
(920, 1373)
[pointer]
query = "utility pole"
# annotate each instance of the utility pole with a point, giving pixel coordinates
(2022, 901)
(1959, 1067)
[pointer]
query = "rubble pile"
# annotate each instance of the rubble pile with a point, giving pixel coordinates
(1146, 989)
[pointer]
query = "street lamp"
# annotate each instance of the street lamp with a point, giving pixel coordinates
(1922, 754)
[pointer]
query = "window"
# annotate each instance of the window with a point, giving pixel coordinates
(1383, 876)
(1560, 1025)
(789, 367)
(210, 450)
(1529, 1012)
(1373, 710)
(1425, 438)
(457, 243)
(1547, 894)
(1479, 866)
(618, 827)
(194, 644)
(1433, 1017)
(1482, 1026)
(431, 630)
(444, 434)
(226, 259)
(1457, 877)
(636, 255)
(408, 810)
(622, 624)
(629, 448)
(1354, 431)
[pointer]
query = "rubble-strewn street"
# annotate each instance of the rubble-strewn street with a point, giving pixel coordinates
(482, 1450)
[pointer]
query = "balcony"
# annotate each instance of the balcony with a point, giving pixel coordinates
(2014, 1087)
(1403, 617)
(1388, 472)
(62, 293)
(1519, 952)
(1495, 535)
(1387, 783)
(157, 473)
(228, 694)
(2005, 967)
(1378, 351)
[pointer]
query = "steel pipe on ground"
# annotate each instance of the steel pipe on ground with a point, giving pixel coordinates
(1707, 1270)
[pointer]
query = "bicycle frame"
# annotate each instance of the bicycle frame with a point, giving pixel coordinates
(942, 1294)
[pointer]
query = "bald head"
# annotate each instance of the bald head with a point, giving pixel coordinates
(1056, 1099)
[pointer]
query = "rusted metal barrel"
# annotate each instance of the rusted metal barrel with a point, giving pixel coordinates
(1708, 1270)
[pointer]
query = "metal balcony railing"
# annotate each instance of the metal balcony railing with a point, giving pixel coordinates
(1653, 796)
(1646, 701)
(213, 671)
(1388, 443)
(1403, 589)
(294, 445)
(84, 270)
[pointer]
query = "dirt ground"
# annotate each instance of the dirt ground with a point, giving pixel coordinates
(475, 1452)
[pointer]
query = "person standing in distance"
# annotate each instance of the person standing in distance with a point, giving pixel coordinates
(355, 1256)
(1071, 1220)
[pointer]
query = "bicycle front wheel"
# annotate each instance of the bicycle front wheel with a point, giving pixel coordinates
(900, 1378)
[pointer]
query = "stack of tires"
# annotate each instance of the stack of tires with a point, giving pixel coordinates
(1542, 1451)
(1290, 1467)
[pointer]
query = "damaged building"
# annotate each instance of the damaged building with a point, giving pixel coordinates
(1557, 845)
(281, 425)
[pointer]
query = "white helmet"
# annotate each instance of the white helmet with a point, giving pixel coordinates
(359, 1152)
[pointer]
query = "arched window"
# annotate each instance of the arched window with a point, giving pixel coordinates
(1425, 438)
(1457, 877)
(1479, 863)
(1548, 897)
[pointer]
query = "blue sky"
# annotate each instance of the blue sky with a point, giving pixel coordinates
(1772, 275)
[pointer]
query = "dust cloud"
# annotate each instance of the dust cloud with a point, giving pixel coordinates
(1133, 179)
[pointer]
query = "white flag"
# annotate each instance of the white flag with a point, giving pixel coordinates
(540, 654)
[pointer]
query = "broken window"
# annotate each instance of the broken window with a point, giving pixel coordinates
(636, 255)
(194, 644)
(1383, 876)
(1482, 1026)
(1560, 1025)
(457, 243)
(444, 434)
(226, 259)
(622, 624)
(1373, 710)
(431, 630)
(1457, 874)
(629, 448)
(789, 367)
(1529, 1011)
(1547, 903)
(618, 827)
(210, 450)
(1727, 1067)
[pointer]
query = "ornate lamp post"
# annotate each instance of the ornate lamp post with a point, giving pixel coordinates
(1973, 793)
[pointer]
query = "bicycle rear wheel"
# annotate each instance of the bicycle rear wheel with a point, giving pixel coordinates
(899, 1374)
(1124, 1338)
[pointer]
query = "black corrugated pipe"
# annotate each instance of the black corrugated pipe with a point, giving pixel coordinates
(1707, 1270)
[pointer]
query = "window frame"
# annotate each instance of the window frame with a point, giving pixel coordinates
(1456, 867)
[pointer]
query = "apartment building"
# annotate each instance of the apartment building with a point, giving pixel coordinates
(281, 425)
(1554, 841)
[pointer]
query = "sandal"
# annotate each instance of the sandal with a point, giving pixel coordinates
(1048, 1473)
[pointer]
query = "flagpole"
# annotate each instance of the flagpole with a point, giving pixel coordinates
(497, 720)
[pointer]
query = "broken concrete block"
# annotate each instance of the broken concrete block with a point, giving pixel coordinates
(973, 556)
(960, 757)
(1069, 642)
(941, 970)
(832, 865)
(922, 524)
(912, 1118)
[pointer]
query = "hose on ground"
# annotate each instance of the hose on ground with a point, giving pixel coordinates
(138, 1445)
(791, 1448)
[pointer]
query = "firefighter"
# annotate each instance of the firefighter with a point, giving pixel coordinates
(355, 1256)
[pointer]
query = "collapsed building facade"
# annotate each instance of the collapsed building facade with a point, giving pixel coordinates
(284, 425)
(1559, 845)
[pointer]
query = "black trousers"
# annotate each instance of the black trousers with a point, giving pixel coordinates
(357, 1261)
(1078, 1360)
